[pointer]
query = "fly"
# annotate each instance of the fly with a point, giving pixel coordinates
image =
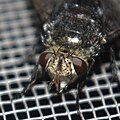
(75, 34)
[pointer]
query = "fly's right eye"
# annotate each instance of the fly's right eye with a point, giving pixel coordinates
(44, 57)
(80, 65)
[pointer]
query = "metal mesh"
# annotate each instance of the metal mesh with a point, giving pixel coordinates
(100, 99)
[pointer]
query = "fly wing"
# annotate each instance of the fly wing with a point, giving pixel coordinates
(112, 12)
(45, 8)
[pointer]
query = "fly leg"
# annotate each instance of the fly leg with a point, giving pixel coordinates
(79, 91)
(57, 84)
(33, 80)
(114, 67)
(111, 35)
(81, 84)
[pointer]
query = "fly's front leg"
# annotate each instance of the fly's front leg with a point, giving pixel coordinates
(33, 80)
(80, 86)
(110, 37)
(114, 67)
(82, 83)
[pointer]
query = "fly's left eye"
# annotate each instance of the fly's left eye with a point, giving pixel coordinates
(79, 65)
(44, 58)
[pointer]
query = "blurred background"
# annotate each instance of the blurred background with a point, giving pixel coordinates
(20, 27)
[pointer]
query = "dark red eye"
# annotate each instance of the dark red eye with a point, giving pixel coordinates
(44, 56)
(80, 65)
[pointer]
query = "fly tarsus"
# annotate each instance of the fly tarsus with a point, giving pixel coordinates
(33, 80)
(114, 67)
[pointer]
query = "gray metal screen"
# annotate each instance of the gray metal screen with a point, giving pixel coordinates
(100, 99)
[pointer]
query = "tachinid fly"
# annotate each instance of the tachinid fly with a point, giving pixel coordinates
(73, 37)
(75, 33)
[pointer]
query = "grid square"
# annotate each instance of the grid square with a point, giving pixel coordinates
(5, 97)
(100, 113)
(85, 105)
(34, 113)
(88, 115)
(59, 109)
(1, 118)
(22, 115)
(19, 105)
(7, 107)
(112, 111)
(31, 103)
(44, 101)
(62, 117)
(97, 103)
(10, 117)
(46, 111)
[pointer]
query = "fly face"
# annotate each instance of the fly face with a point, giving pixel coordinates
(62, 67)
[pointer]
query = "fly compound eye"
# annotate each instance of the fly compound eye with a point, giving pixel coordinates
(79, 65)
(44, 57)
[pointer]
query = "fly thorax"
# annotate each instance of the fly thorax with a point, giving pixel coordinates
(61, 70)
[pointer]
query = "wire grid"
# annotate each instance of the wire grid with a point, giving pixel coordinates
(100, 99)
